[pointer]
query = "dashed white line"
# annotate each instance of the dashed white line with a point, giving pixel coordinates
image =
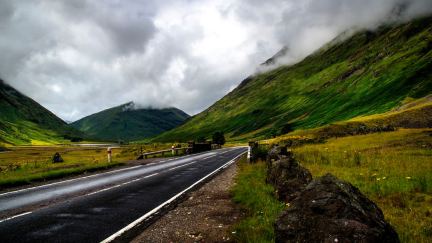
(142, 218)
(122, 184)
(89, 176)
(79, 178)
(173, 168)
(15, 216)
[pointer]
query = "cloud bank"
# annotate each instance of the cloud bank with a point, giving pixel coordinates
(79, 57)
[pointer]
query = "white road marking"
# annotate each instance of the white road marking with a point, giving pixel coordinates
(79, 178)
(103, 173)
(173, 168)
(125, 183)
(122, 184)
(15, 216)
(142, 218)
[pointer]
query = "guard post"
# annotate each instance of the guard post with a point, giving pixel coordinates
(109, 150)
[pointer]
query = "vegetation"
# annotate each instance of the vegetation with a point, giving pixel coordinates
(24, 122)
(127, 122)
(23, 165)
(415, 113)
(257, 200)
(391, 168)
(368, 73)
(218, 138)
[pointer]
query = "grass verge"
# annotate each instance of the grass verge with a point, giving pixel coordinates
(394, 169)
(257, 200)
(23, 165)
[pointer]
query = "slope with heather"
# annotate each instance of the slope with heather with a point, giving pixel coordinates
(370, 72)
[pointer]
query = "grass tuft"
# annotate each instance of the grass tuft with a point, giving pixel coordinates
(257, 200)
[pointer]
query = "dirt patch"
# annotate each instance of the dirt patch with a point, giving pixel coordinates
(206, 216)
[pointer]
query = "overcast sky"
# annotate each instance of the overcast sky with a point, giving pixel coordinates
(77, 57)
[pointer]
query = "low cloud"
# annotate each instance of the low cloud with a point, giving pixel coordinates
(79, 57)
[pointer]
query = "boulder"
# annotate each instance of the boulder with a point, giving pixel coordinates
(331, 210)
(287, 176)
(57, 158)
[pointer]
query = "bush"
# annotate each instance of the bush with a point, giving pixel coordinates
(219, 138)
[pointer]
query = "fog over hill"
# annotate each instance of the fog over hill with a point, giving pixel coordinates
(80, 57)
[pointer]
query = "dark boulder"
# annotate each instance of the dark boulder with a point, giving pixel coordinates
(57, 158)
(287, 176)
(331, 210)
(276, 153)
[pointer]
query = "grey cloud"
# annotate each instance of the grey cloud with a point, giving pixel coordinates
(79, 57)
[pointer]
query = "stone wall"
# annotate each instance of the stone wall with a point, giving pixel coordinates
(324, 209)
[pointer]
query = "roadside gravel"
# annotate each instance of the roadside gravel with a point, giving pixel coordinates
(206, 216)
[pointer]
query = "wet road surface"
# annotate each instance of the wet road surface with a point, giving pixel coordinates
(108, 201)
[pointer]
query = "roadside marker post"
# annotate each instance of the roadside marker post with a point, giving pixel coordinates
(109, 150)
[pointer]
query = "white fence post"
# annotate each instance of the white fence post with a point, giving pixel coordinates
(109, 150)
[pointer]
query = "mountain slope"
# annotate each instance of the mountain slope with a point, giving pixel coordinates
(129, 123)
(23, 121)
(368, 73)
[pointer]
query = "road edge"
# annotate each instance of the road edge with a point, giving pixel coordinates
(130, 231)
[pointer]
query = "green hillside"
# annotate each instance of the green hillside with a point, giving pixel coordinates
(368, 73)
(23, 121)
(126, 122)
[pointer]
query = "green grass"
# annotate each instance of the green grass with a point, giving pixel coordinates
(25, 122)
(368, 73)
(415, 113)
(394, 169)
(256, 199)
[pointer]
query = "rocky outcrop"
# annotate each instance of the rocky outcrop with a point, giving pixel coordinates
(285, 174)
(331, 210)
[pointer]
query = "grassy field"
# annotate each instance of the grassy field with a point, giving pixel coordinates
(394, 169)
(22, 165)
(257, 199)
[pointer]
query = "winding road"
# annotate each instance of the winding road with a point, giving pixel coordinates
(106, 206)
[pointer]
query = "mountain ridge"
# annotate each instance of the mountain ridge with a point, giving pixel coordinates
(24, 121)
(129, 122)
(370, 72)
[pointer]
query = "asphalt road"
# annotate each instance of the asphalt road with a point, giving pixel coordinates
(96, 207)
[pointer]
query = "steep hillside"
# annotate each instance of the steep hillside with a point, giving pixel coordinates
(23, 121)
(368, 73)
(126, 122)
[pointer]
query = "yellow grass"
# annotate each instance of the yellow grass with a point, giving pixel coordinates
(24, 164)
(394, 169)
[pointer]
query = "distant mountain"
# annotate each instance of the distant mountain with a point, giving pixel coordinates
(23, 121)
(367, 73)
(128, 122)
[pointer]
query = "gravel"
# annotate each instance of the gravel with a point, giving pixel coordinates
(206, 216)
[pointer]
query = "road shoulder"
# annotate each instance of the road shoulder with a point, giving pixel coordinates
(206, 216)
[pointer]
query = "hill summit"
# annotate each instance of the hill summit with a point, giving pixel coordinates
(130, 122)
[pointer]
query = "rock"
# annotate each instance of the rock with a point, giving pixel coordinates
(287, 176)
(277, 152)
(331, 210)
(57, 158)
